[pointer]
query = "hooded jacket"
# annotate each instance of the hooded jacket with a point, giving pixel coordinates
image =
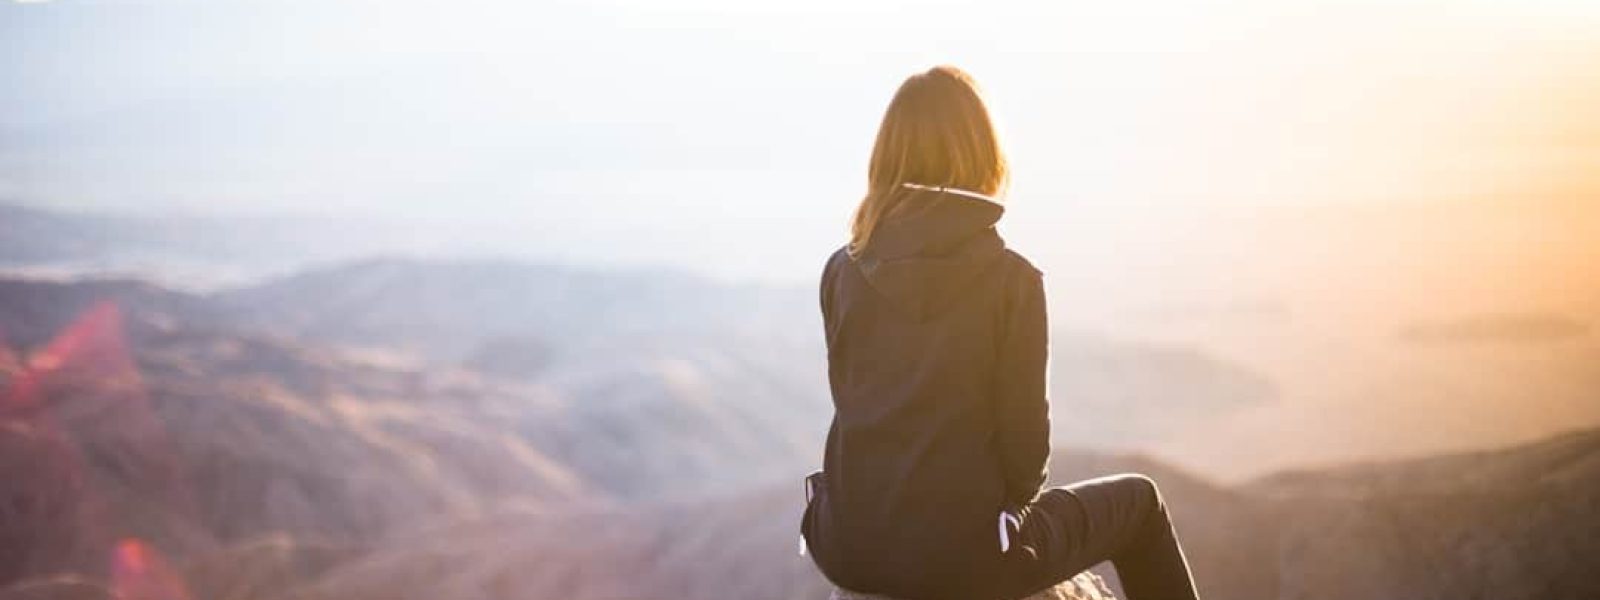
(936, 338)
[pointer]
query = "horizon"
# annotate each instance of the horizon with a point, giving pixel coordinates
(522, 129)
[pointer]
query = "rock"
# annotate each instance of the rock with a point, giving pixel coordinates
(1085, 586)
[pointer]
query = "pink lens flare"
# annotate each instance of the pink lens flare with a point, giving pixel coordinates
(139, 572)
(81, 394)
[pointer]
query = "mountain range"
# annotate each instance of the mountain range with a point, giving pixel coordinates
(266, 452)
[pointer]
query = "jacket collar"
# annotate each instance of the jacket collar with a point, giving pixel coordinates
(951, 190)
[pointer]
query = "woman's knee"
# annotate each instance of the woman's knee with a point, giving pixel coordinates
(1145, 489)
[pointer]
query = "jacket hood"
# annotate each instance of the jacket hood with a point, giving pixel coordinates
(922, 260)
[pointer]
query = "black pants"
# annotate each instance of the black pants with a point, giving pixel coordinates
(1121, 518)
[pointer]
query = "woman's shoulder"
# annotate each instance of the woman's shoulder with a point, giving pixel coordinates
(838, 259)
(1020, 265)
(841, 255)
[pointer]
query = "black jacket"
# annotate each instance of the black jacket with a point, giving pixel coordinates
(937, 347)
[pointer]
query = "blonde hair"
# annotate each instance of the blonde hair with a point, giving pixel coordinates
(935, 132)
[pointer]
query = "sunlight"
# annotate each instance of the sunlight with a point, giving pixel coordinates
(557, 299)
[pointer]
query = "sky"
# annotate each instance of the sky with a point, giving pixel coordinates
(731, 136)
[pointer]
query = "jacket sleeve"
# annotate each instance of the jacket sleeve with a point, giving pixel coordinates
(1021, 403)
(825, 295)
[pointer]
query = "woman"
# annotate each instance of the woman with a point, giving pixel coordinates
(936, 334)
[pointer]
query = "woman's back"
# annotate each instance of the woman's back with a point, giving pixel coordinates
(937, 350)
(916, 327)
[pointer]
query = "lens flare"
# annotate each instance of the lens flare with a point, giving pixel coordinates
(80, 398)
(139, 572)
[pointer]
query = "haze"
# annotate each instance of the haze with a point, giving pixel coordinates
(730, 138)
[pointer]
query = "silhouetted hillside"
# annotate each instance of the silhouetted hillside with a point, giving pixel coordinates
(1522, 522)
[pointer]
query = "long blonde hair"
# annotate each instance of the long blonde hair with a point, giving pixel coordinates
(936, 132)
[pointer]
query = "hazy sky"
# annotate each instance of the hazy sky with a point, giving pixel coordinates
(732, 135)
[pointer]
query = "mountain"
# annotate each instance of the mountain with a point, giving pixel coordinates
(541, 322)
(640, 382)
(519, 319)
(1522, 522)
(183, 433)
(134, 412)
(1279, 537)
(192, 441)
(1517, 522)
(1509, 523)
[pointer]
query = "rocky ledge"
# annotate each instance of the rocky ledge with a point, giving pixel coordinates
(1086, 586)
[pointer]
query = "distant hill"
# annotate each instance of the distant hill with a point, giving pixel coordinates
(192, 250)
(511, 317)
(640, 379)
(450, 310)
